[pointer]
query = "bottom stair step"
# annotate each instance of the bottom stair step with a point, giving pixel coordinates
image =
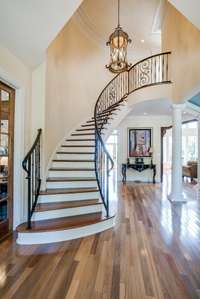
(63, 229)
(55, 210)
(41, 207)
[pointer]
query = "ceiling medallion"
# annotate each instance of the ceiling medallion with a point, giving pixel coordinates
(118, 42)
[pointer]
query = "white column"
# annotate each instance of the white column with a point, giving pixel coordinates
(176, 180)
(198, 170)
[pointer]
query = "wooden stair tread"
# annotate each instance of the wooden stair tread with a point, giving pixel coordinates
(76, 153)
(41, 207)
(92, 121)
(80, 139)
(86, 129)
(62, 223)
(71, 179)
(76, 145)
(55, 191)
(64, 160)
(83, 134)
(70, 169)
(105, 115)
(88, 125)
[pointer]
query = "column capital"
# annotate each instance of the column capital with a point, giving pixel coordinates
(178, 106)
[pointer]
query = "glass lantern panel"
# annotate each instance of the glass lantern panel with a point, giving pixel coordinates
(118, 41)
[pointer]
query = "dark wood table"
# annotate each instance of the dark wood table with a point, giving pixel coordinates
(138, 167)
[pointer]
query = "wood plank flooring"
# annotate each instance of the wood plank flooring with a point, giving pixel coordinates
(152, 253)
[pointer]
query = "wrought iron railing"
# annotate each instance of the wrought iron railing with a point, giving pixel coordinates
(151, 71)
(31, 164)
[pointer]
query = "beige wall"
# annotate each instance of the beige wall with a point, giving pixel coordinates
(183, 39)
(75, 77)
(38, 106)
(38, 98)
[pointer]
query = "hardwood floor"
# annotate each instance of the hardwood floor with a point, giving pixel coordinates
(153, 252)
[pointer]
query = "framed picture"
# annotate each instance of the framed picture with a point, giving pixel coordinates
(139, 142)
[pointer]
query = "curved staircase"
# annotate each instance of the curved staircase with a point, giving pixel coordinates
(76, 200)
(71, 206)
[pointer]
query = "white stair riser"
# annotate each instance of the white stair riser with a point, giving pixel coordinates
(63, 235)
(68, 197)
(86, 131)
(77, 149)
(76, 184)
(90, 131)
(75, 157)
(83, 136)
(72, 143)
(53, 214)
(68, 174)
(72, 165)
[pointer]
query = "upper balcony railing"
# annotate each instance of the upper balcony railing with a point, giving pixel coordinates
(150, 71)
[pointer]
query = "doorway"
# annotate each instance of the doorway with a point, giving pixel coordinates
(7, 101)
(189, 147)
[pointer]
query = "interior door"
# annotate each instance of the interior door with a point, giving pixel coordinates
(7, 97)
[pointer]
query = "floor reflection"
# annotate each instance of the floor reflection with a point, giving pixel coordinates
(180, 221)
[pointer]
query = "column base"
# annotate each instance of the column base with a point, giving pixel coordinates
(177, 198)
(197, 191)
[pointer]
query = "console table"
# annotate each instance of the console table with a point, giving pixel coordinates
(138, 167)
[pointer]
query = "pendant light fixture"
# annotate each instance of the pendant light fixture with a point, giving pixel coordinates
(118, 42)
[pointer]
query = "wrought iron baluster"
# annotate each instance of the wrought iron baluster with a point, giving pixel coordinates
(163, 65)
(107, 186)
(32, 179)
(167, 67)
(29, 192)
(31, 165)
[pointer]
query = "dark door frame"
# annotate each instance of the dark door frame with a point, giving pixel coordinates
(7, 225)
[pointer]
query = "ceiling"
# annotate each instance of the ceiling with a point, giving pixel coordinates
(152, 107)
(190, 9)
(141, 19)
(27, 27)
(159, 107)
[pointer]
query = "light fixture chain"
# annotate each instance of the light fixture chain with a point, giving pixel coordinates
(118, 13)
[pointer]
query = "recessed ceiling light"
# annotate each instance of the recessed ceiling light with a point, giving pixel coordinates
(145, 113)
(142, 40)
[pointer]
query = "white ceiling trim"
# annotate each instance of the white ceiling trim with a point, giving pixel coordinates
(89, 28)
(190, 9)
(193, 107)
(91, 31)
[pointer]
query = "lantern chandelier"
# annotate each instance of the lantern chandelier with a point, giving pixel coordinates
(118, 42)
